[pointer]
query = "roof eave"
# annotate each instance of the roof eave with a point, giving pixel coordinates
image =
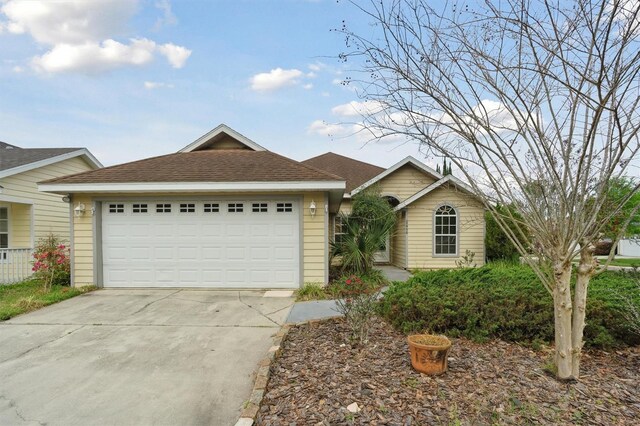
(192, 187)
(83, 152)
(407, 160)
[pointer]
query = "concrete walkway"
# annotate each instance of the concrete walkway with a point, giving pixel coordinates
(322, 309)
(393, 273)
(136, 357)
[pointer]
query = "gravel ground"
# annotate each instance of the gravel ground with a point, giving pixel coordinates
(319, 375)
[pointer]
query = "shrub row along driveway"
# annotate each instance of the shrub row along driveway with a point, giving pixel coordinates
(136, 357)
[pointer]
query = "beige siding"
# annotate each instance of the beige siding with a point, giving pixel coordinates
(404, 182)
(51, 214)
(314, 239)
(399, 243)
(20, 225)
(82, 244)
(345, 206)
(420, 229)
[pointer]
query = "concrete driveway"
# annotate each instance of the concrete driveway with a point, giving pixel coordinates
(136, 357)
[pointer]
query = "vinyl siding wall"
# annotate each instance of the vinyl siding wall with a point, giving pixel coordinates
(420, 224)
(314, 242)
(404, 182)
(51, 214)
(399, 243)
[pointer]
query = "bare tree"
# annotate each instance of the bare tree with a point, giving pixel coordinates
(536, 103)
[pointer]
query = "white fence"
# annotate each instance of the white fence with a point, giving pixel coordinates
(15, 265)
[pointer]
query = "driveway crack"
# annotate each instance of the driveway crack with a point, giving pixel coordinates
(255, 309)
(44, 343)
(154, 301)
(13, 405)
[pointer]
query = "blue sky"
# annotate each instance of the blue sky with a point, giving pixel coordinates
(131, 79)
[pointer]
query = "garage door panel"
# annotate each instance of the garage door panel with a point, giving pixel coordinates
(201, 249)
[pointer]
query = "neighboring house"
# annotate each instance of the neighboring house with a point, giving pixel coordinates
(438, 217)
(27, 214)
(225, 212)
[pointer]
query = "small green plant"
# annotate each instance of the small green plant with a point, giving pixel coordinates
(412, 382)
(357, 301)
(51, 262)
(311, 291)
(467, 260)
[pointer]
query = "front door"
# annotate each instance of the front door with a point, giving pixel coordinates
(382, 256)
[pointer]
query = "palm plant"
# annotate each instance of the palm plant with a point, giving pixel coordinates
(365, 231)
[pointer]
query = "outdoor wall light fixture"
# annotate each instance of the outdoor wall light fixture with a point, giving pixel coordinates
(79, 210)
(312, 208)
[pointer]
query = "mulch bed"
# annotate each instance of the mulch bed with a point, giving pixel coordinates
(319, 374)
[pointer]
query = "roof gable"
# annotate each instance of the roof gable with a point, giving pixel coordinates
(407, 161)
(14, 160)
(449, 179)
(355, 172)
(222, 137)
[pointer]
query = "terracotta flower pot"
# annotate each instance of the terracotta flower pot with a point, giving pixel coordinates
(429, 353)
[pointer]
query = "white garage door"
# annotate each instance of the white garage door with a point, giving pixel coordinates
(212, 243)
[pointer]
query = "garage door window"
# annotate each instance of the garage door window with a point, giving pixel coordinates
(163, 208)
(259, 208)
(139, 208)
(187, 208)
(116, 208)
(284, 207)
(235, 207)
(211, 207)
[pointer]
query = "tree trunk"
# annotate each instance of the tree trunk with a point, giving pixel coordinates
(563, 318)
(586, 268)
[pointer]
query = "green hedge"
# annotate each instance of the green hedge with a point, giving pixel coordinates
(506, 302)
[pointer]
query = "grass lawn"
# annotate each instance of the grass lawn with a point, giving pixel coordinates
(626, 262)
(27, 296)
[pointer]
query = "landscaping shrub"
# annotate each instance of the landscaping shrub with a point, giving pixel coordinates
(311, 291)
(357, 302)
(52, 263)
(364, 232)
(505, 301)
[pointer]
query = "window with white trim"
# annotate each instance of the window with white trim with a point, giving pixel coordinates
(284, 207)
(163, 208)
(338, 229)
(259, 208)
(187, 208)
(139, 208)
(235, 207)
(445, 231)
(211, 207)
(116, 208)
(4, 228)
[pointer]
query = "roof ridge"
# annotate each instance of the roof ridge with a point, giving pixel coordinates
(344, 156)
(315, 169)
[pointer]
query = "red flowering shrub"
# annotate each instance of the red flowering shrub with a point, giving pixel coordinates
(51, 262)
(357, 302)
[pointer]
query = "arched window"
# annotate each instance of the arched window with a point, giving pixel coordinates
(445, 231)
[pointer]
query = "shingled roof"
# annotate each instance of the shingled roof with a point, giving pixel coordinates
(12, 156)
(204, 166)
(355, 172)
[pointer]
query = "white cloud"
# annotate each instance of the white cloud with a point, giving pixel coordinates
(69, 22)
(323, 128)
(176, 55)
(150, 85)
(168, 18)
(308, 86)
(95, 58)
(18, 69)
(81, 34)
(275, 79)
(318, 66)
(356, 109)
